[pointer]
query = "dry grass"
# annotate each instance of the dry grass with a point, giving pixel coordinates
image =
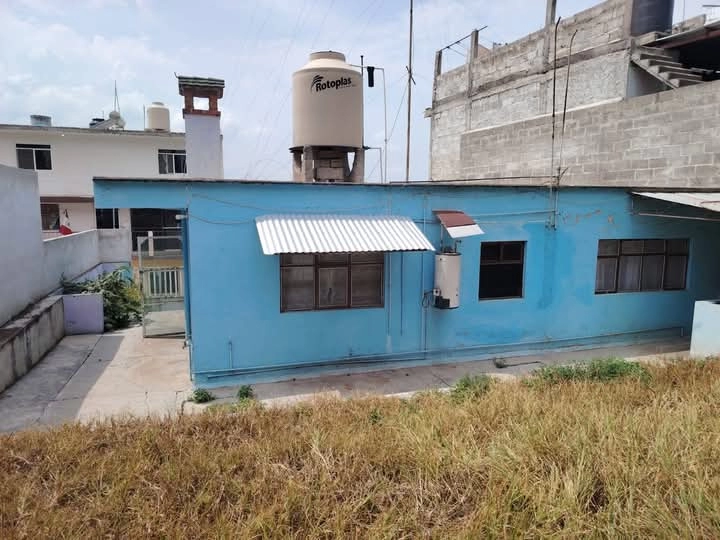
(626, 458)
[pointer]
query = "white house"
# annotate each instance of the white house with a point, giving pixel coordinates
(67, 158)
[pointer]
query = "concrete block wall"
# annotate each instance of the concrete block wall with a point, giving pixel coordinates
(514, 82)
(600, 25)
(597, 79)
(669, 139)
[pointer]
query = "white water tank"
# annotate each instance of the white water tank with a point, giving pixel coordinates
(327, 103)
(447, 280)
(158, 117)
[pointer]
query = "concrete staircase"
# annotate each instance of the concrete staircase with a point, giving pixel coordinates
(662, 65)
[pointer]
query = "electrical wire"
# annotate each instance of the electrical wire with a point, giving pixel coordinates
(278, 210)
(279, 69)
(281, 109)
(397, 114)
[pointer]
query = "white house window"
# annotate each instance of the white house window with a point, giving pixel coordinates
(34, 156)
(107, 218)
(171, 161)
(331, 281)
(641, 265)
(501, 270)
(50, 216)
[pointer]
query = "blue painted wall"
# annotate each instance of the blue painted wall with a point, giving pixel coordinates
(235, 295)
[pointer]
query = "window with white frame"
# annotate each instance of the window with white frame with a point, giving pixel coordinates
(171, 162)
(641, 265)
(34, 156)
(331, 281)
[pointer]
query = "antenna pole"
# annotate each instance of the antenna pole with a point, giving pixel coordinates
(409, 93)
(116, 103)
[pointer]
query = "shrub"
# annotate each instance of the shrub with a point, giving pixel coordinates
(201, 395)
(470, 387)
(122, 301)
(245, 392)
(598, 370)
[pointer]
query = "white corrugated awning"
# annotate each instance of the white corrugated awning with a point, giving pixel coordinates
(296, 233)
(705, 200)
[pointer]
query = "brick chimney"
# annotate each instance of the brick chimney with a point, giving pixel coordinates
(203, 139)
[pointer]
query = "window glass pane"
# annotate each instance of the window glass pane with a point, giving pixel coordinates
(25, 158)
(50, 216)
(366, 285)
(332, 287)
(106, 218)
(165, 163)
(375, 257)
(180, 163)
(297, 288)
(605, 276)
(501, 281)
(332, 258)
(654, 246)
(677, 247)
(297, 259)
(512, 251)
(652, 272)
(490, 252)
(631, 247)
(629, 273)
(42, 160)
(608, 247)
(675, 272)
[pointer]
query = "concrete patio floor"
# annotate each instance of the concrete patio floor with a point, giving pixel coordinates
(99, 376)
(94, 377)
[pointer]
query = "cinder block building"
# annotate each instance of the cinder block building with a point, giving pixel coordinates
(612, 96)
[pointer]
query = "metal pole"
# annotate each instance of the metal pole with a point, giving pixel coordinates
(409, 93)
(385, 114)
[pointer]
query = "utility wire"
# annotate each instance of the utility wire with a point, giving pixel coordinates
(287, 95)
(277, 82)
(397, 114)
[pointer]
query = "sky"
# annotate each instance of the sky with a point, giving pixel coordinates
(62, 57)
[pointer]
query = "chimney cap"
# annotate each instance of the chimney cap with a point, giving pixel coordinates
(201, 86)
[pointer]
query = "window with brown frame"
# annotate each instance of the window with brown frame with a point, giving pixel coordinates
(331, 281)
(50, 216)
(501, 270)
(641, 265)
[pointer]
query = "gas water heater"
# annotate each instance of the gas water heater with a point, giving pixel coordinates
(447, 280)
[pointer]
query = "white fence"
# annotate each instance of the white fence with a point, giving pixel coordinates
(162, 283)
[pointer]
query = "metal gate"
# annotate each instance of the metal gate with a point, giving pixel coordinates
(161, 278)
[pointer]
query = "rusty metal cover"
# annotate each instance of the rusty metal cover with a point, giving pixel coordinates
(457, 223)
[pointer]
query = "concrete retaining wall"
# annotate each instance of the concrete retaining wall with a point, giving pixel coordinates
(25, 340)
(114, 245)
(69, 256)
(31, 267)
(21, 247)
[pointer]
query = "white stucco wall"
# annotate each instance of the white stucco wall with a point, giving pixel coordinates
(21, 246)
(77, 156)
(204, 146)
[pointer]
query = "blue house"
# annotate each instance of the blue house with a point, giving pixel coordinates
(287, 279)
